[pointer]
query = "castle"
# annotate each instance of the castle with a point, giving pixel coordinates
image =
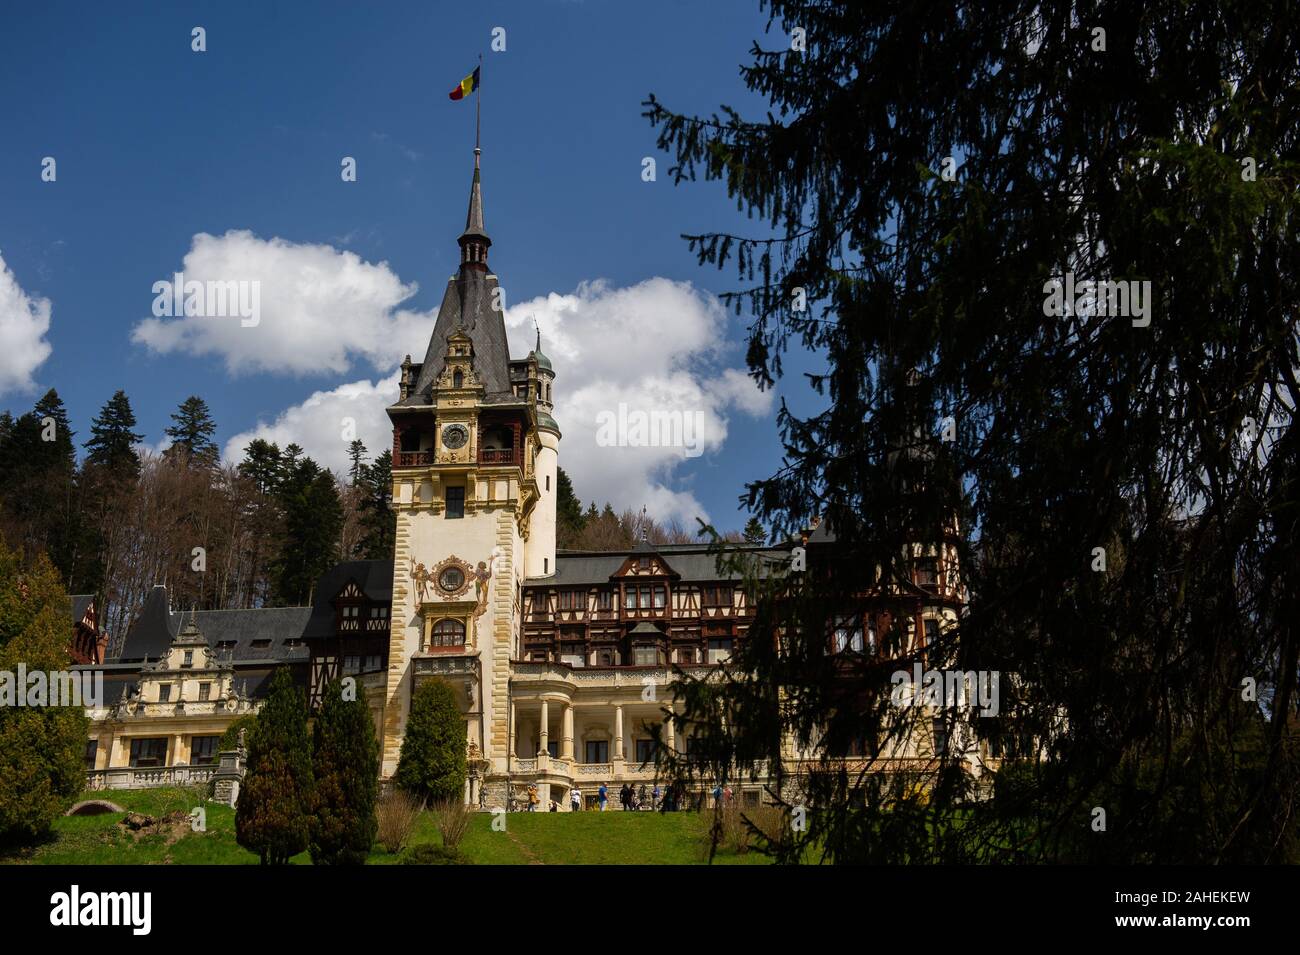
(560, 661)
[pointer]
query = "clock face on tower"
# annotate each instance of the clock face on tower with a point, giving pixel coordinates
(454, 436)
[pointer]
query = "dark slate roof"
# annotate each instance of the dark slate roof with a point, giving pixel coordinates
(157, 626)
(467, 303)
(689, 561)
(79, 604)
(374, 577)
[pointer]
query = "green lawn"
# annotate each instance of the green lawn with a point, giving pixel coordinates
(609, 838)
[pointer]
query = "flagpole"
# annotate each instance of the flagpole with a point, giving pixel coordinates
(478, 108)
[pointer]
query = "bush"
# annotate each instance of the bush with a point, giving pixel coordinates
(744, 828)
(41, 748)
(429, 854)
(271, 819)
(396, 815)
(431, 766)
(345, 767)
(453, 820)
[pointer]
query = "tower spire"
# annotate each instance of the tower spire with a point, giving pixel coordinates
(474, 241)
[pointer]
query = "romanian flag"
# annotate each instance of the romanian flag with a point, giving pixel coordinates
(466, 86)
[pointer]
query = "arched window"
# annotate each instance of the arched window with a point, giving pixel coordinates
(457, 379)
(448, 633)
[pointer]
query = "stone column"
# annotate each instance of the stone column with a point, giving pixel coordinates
(618, 731)
(543, 752)
(514, 731)
(566, 734)
(670, 735)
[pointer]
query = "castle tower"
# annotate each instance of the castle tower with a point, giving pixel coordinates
(475, 452)
(539, 553)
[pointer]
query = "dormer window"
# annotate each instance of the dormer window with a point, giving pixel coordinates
(457, 379)
(189, 659)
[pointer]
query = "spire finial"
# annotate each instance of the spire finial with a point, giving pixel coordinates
(539, 333)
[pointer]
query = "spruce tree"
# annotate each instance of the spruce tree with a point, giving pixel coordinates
(272, 816)
(112, 442)
(41, 747)
(753, 532)
(377, 517)
(1116, 474)
(356, 460)
(313, 516)
(432, 763)
(568, 510)
(192, 433)
(345, 767)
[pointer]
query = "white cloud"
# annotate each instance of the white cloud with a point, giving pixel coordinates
(320, 308)
(24, 322)
(657, 346)
(325, 424)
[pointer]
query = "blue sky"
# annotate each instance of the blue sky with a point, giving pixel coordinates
(156, 144)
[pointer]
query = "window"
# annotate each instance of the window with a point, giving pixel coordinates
(351, 665)
(606, 658)
(548, 482)
(226, 645)
(716, 595)
(871, 637)
(455, 502)
(573, 600)
(452, 579)
(940, 730)
(645, 597)
(685, 654)
(931, 633)
(606, 600)
(205, 691)
(265, 644)
(538, 656)
(719, 650)
(573, 654)
(457, 379)
(164, 692)
(645, 751)
(546, 565)
(552, 749)
(92, 750)
(149, 752)
(927, 573)
(596, 751)
(189, 659)
(847, 636)
(351, 612)
(203, 750)
(448, 633)
(645, 656)
(373, 663)
(643, 565)
(378, 613)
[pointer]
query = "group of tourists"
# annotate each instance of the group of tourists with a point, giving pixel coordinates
(670, 799)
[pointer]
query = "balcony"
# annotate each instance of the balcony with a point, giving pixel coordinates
(498, 456)
(446, 666)
(135, 777)
(413, 459)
